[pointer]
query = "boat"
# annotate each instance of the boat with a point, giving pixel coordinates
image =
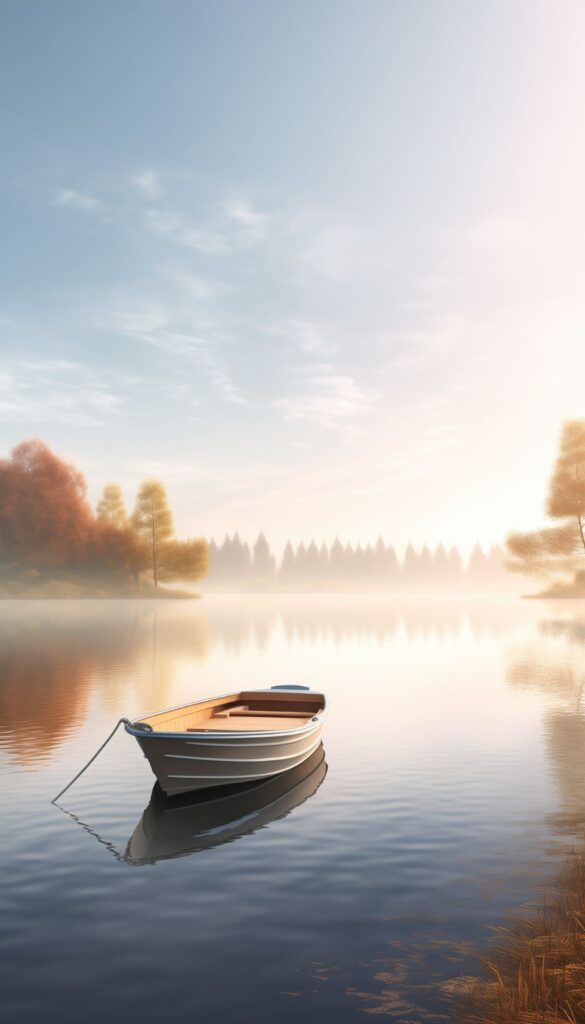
(239, 737)
(177, 826)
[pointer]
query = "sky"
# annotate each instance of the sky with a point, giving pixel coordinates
(316, 264)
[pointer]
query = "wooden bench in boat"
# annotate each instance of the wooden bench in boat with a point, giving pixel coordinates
(247, 711)
(254, 719)
(243, 719)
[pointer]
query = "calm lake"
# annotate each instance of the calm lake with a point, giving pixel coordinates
(450, 789)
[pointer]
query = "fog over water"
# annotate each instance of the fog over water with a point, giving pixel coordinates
(449, 787)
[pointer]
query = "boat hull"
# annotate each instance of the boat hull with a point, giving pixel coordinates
(183, 763)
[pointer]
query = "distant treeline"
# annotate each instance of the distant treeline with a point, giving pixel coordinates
(234, 564)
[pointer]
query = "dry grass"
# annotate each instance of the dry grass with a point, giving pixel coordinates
(536, 973)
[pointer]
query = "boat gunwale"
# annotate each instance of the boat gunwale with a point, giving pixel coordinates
(215, 734)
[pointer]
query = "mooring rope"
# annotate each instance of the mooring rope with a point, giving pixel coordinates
(114, 730)
(104, 842)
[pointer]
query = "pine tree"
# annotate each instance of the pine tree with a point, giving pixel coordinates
(312, 563)
(301, 564)
(348, 563)
(336, 560)
(455, 566)
(286, 572)
(477, 569)
(263, 564)
(410, 566)
(440, 567)
(324, 563)
(392, 564)
(214, 556)
(425, 566)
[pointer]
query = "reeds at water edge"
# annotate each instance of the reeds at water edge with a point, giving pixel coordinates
(536, 971)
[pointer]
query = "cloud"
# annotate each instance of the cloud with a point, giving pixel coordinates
(204, 289)
(335, 251)
(253, 222)
(308, 337)
(55, 391)
(308, 240)
(239, 227)
(77, 200)
(312, 339)
(156, 326)
(331, 400)
(147, 184)
(176, 228)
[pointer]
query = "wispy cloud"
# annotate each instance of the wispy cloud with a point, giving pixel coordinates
(176, 228)
(239, 225)
(254, 223)
(312, 240)
(156, 326)
(196, 286)
(334, 250)
(55, 391)
(330, 401)
(77, 200)
(306, 336)
(147, 183)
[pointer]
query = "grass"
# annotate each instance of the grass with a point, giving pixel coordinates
(536, 973)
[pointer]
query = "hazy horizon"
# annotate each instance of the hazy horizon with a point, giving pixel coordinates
(316, 266)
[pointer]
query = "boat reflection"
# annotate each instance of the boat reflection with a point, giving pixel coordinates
(180, 825)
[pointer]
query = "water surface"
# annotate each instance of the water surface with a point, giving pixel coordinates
(450, 786)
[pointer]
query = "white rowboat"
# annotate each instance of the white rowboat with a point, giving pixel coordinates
(240, 737)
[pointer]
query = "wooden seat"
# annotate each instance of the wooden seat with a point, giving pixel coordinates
(245, 713)
(254, 723)
(226, 712)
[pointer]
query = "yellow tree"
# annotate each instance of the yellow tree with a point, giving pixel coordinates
(183, 560)
(152, 520)
(566, 499)
(560, 548)
(111, 507)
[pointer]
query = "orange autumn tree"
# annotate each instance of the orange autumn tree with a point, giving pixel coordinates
(558, 550)
(46, 522)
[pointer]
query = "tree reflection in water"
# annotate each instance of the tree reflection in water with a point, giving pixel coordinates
(54, 656)
(535, 968)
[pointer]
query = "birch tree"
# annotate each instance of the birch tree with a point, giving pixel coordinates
(152, 520)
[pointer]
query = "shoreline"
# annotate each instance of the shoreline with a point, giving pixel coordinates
(68, 590)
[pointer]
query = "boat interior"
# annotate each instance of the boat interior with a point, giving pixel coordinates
(249, 710)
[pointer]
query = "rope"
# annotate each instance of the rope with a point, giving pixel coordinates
(75, 778)
(109, 846)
